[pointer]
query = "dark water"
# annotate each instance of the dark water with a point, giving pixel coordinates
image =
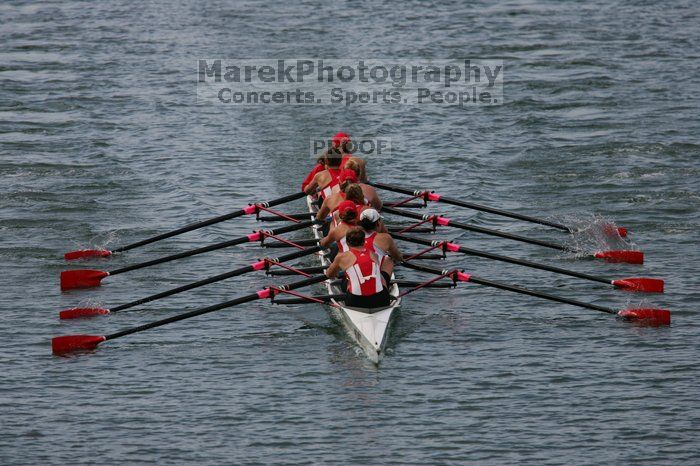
(101, 138)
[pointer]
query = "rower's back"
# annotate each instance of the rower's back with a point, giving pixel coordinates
(327, 180)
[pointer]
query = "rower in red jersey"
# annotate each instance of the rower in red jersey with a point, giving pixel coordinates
(326, 180)
(367, 286)
(318, 168)
(347, 214)
(352, 192)
(378, 240)
(343, 143)
(349, 176)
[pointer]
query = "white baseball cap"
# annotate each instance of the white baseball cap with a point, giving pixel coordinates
(370, 214)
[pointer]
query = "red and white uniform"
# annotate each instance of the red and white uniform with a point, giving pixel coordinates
(342, 194)
(364, 277)
(335, 216)
(317, 169)
(370, 246)
(342, 243)
(333, 186)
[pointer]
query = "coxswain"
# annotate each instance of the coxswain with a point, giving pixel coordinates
(367, 285)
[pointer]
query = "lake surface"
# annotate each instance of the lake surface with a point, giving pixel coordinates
(102, 141)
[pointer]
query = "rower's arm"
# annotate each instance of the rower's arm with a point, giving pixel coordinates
(318, 168)
(328, 239)
(324, 210)
(334, 268)
(373, 198)
(311, 187)
(394, 252)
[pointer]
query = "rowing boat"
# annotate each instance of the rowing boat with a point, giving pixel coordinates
(369, 328)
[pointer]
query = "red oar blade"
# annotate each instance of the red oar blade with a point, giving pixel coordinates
(646, 285)
(647, 316)
(611, 230)
(82, 312)
(622, 255)
(69, 343)
(84, 278)
(86, 254)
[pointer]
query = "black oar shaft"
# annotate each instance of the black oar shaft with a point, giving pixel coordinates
(515, 289)
(482, 208)
(486, 231)
(412, 283)
(292, 243)
(278, 218)
(310, 270)
(322, 297)
(213, 247)
(214, 279)
(215, 307)
(204, 223)
(511, 260)
(539, 294)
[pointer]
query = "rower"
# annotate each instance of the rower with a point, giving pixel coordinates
(343, 143)
(347, 212)
(378, 241)
(326, 180)
(353, 193)
(367, 285)
(346, 177)
(371, 197)
(348, 190)
(318, 168)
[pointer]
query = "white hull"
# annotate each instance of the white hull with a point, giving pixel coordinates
(369, 329)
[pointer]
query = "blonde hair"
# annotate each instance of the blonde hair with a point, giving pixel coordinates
(353, 165)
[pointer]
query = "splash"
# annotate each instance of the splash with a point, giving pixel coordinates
(103, 240)
(90, 303)
(94, 248)
(595, 232)
(640, 303)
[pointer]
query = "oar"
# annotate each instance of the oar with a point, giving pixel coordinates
(286, 218)
(649, 285)
(248, 210)
(431, 196)
(79, 312)
(315, 269)
(326, 298)
(88, 278)
(620, 255)
(69, 343)
(292, 244)
(644, 315)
